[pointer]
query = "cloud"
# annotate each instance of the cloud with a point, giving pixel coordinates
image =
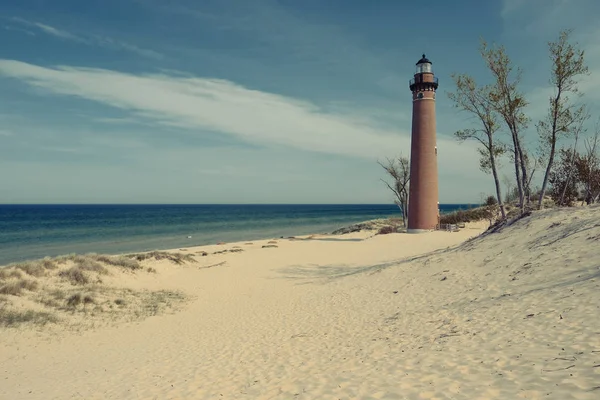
(102, 41)
(13, 28)
(5, 133)
(107, 42)
(49, 30)
(199, 105)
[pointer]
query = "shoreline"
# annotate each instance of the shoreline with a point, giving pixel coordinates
(375, 223)
(333, 316)
(32, 232)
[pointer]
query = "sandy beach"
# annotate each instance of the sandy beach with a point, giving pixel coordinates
(513, 314)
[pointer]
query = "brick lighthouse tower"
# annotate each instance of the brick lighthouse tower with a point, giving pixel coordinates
(423, 194)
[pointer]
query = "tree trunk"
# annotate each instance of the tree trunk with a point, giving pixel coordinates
(518, 172)
(524, 183)
(496, 180)
(547, 174)
(569, 173)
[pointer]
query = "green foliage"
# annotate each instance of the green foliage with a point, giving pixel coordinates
(473, 214)
(491, 201)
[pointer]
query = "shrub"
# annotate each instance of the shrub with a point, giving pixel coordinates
(384, 230)
(491, 201)
(474, 214)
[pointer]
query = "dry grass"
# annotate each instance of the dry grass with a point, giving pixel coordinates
(177, 258)
(68, 289)
(75, 275)
(89, 264)
(12, 318)
(384, 230)
(473, 214)
(118, 261)
(8, 273)
(32, 268)
(16, 288)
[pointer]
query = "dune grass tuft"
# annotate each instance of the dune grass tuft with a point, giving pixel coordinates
(11, 318)
(8, 273)
(15, 288)
(33, 268)
(87, 263)
(117, 261)
(177, 258)
(74, 300)
(75, 275)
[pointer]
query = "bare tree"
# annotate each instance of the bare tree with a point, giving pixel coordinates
(567, 65)
(564, 178)
(578, 129)
(399, 170)
(507, 101)
(475, 100)
(588, 167)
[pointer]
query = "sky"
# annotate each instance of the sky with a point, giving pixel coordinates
(262, 101)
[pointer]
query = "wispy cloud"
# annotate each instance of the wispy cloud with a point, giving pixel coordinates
(97, 40)
(49, 30)
(199, 105)
(16, 29)
(5, 133)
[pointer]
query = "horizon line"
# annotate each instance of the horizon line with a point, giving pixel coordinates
(216, 204)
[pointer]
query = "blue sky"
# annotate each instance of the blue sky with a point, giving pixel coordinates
(262, 101)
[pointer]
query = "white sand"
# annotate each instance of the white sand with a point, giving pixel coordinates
(344, 319)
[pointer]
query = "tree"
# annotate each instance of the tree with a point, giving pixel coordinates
(563, 189)
(512, 193)
(588, 167)
(567, 65)
(506, 99)
(491, 201)
(578, 129)
(475, 100)
(399, 170)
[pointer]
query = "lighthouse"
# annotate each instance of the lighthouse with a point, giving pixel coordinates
(423, 193)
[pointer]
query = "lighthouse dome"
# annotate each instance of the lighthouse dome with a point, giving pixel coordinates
(424, 66)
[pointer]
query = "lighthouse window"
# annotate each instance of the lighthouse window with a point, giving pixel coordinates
(420, 95)
(423, 68)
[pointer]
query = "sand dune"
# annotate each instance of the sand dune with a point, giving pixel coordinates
(507, 315)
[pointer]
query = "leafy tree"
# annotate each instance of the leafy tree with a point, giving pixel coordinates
(509, 103)
(476, 100)
(567, 66)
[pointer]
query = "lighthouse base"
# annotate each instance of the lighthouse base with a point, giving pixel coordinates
(418, 230)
